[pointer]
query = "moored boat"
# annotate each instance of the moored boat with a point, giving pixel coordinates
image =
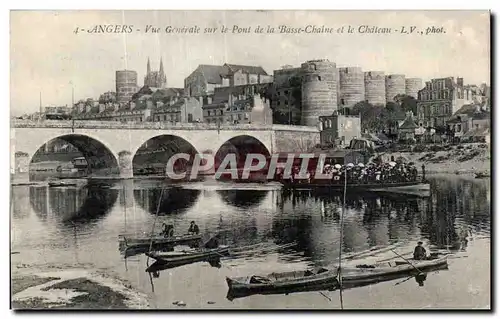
(482, 175)
(364, 275)
(284, 282)
(129, 242)
(188, 256)
(62, 184)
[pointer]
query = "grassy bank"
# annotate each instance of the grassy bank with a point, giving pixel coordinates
(448, 159)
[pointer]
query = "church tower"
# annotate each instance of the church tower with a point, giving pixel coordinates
(148, 70)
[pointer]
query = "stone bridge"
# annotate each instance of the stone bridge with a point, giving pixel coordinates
(107, 144)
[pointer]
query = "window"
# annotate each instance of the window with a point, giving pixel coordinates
(286, 92)
(190, 117)
(164, 117)
(319, 78)
(239, 117)
(278, 103)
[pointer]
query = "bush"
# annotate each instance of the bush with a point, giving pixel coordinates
(419, 148)
(436, 148)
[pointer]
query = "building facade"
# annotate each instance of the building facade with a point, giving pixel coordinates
(206, 78)
(243, 104)
(337, 129)
(440, 99)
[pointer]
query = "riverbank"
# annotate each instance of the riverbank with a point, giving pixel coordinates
(450, 159)
(71, 288)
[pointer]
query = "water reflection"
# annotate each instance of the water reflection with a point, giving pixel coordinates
(243, 199)
(455, 209)
(174, 200)
(72, 205)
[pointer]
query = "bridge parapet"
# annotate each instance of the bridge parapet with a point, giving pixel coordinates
(157, 126)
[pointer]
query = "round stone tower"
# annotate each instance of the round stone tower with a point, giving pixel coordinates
(375, 87)
(351, 86)
(412, 86)
(319, 90)
(394, 85)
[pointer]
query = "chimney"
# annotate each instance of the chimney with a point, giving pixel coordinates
(460, 82)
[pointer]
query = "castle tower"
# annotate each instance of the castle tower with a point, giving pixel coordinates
(375, 87)
(351, 86)
(319, 90)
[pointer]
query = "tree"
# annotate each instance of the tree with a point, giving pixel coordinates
(407, 102)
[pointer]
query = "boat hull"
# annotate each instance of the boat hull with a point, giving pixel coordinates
(146, 242)
(187, 257)
(239, 287)
(357, 277)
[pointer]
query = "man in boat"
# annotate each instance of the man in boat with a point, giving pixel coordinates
(419, 253)
(193, 229)
(168, 230)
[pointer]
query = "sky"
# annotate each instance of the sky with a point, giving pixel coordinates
(47, 56)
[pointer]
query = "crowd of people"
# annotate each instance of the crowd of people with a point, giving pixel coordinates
(391, 172)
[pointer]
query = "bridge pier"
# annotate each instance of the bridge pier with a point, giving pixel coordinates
(21, 168)
(125, 159)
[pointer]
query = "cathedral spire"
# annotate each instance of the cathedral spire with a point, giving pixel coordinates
(148, 67)
(161, 66)
(161, 75)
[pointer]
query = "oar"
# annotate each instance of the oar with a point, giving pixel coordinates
(399, 283)
(419, 272)
(325, 296)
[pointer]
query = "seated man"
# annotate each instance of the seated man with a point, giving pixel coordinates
(193, 229)
(419, 253)
(168, 230)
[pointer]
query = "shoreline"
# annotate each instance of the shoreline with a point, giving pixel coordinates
(71, 288)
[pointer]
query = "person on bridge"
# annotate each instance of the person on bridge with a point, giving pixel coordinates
(193, 229)
(419, 253)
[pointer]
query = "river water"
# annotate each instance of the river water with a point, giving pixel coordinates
(63, 226)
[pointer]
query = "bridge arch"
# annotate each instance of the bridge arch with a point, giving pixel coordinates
(151, 157)
(241, 145)
(100, 160)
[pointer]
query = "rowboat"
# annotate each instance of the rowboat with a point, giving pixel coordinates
(285, 282)
(187, 256)
(364, 275)
(129, 242)
(258, 249)
(482, 175)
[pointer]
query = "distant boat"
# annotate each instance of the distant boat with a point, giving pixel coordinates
(62, 184)
(482, 175)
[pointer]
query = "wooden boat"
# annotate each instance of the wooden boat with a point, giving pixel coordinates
(364, 275)
(258, 249)
(284, 282)
(62, 184)
(188, 256)
(482, 175)
(129, 242)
